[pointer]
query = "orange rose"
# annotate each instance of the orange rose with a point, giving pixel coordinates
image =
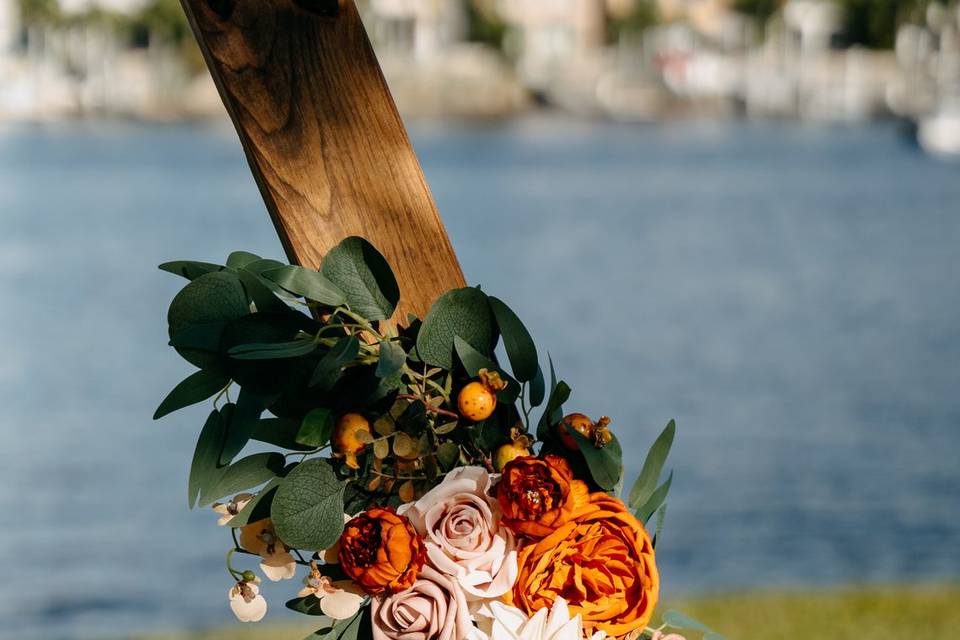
(381, 551)
(539, 495)
(601, 563)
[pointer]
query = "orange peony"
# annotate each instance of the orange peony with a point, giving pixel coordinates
(381, 551)
(601, 563)
(538, 495)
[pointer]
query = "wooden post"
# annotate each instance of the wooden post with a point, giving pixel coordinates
(323, 137)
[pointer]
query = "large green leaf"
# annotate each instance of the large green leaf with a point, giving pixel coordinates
(605, 463)
(195, 388)
(211, 298)
(274, 350)
(307, 510)
(240, 259)
(190, 269)
(243, 474)
(306, 283)
(205, 470)
(362, 273)
(646, 482)
(242, 423)
(316, 428)
(332, 363)
(280, 432)
(538, 389)
(459, 312)
(521, 351)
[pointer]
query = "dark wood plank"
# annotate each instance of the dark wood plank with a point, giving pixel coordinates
(323, 136)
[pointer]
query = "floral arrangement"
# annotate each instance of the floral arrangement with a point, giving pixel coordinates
(396, 465)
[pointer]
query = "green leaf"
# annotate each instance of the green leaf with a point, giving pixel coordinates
(316, 428)
(362, 273)
(243, 474)
(392, 358)
(202, 337)
(195, 388)
(280, 432)
(646, 482)
(459, 312)
(307, 510)
(242, 423)
(661, 515)
(307, 605)
(537, 389)
(190, 269)
(605, 463)
(205, 470)
(259, 506)
(648, 508)
(448, 454)
(521, 351)
(553, 411)
(210, 298)
(473, 361)
(331, 365)
(306, 283)
(240, 259)
(274, 350)
(260, 294)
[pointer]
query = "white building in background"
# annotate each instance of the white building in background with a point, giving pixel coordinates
(119, 6)
(9, 27)
(422, 28)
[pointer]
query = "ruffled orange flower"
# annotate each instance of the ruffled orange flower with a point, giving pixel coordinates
(601, 563)
(538, 495)
(381, 551)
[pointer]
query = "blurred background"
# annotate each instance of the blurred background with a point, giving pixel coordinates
(742, 214)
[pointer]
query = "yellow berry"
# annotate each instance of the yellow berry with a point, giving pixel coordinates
(345, 441)
(508, 452)
(476, 401)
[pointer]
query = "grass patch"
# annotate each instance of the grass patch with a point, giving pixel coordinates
(927, 613)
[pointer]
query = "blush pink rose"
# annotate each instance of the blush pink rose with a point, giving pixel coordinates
(434, 608)
(460, 523)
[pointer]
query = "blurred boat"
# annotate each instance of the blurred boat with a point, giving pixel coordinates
(939, 133)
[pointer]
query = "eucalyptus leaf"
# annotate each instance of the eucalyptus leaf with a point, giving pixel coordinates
(195, 388)
(517, 342)
(307, 510)
(661, 516)
(392, 358)
(242, 423)
(537, 389)
(210, 298)
(274, 350)
(554, 409)
(307, 605)
(648, 508)
(459, 312)
(605, 464)
(190, 269)
(202, 337)
(362, 273)
(240, 259)
(205, 469)
(646, 482)
(306, 283)
(260, 294)
(243, 474)
(316, 428)
(473, 361)
(331, 365)
(280, 432)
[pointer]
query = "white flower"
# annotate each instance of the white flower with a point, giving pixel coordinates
(503, 622)
(247, 603)
(339, 600)
(231, 508)
(261, 538)
(460, 524)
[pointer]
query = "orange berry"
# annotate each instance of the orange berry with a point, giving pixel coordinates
(476, 401)
(345, 441)
(579, 423)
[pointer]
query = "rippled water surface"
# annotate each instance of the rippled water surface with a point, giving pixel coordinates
(788, 294)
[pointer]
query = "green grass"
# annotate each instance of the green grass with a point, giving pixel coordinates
(890, 613)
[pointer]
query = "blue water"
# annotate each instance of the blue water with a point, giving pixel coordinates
(788, 294)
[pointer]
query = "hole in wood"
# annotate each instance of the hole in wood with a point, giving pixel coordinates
(223, 8)
(319, 7)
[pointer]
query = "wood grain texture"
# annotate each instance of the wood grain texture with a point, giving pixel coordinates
(323, 137)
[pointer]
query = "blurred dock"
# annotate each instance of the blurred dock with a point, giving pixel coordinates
(638, 60)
